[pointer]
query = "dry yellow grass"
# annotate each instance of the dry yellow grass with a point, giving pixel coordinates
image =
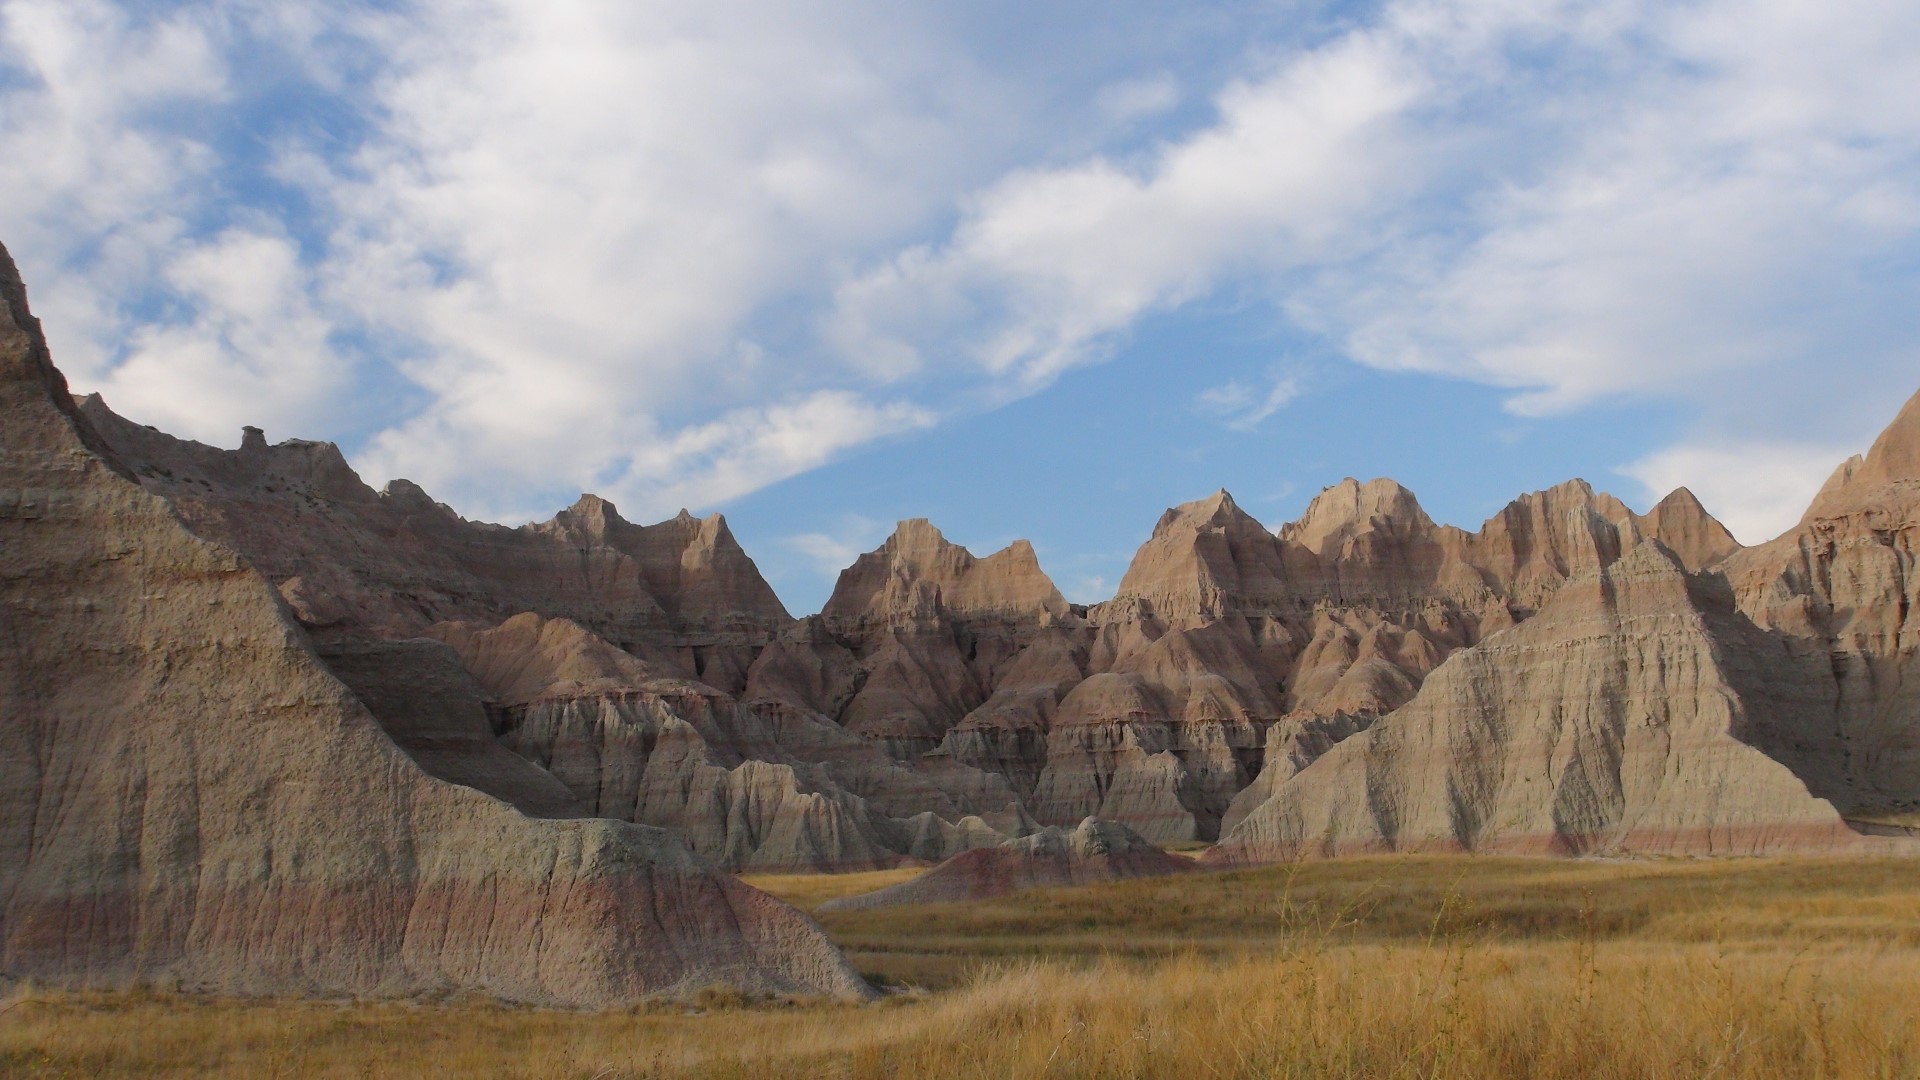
(809, 891)
(1360, 968)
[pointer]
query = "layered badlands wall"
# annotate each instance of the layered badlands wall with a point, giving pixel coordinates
(587, 666)
(941, 703)
(190, 797)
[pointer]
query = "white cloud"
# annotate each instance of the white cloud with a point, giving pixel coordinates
(833, 552)
(1757, 489)
(1243, 406)
(1135, 99)
(1050, 264)
(253, 351)
(674, 251)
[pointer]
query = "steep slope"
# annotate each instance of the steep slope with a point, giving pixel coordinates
(681, 594)
(930, 626)
(1092, 852)
(1313, 633)
(187, 796)
(1613, 721)
(1845, 586)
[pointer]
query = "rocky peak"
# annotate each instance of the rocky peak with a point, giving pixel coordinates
(592, 515)
(1349, 508)
(1205, 559)
(918, 572)
(1216, 512)
(1682, 524)
(1863, 483)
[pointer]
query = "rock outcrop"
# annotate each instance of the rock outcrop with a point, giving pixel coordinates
(1844, 587)
(682, 595)
(189, 797)
(1094, 851)
(1618, 719)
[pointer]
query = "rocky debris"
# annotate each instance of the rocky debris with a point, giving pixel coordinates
(1092, 852)
(188, 797)
(1614, 721)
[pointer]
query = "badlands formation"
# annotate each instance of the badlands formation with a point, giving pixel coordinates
(274, 729)
(189, 796)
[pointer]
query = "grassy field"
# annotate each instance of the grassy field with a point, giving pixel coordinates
(1393, 967)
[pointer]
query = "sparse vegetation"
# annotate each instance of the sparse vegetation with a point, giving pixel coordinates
(1444, 967)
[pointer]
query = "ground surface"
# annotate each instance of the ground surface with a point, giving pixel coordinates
(1365, 967)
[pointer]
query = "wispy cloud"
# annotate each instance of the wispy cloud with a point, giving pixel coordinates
(1243, 406)
(831, 552)
(679, 251)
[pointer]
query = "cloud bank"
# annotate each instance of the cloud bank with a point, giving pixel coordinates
(678, 252)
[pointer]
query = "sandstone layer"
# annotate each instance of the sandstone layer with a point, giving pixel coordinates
(1092, 852)
(189, 797)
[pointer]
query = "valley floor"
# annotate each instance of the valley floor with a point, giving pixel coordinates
(1384, 967)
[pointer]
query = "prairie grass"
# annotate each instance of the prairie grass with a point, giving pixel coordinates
(811, 890)
(1449, 967)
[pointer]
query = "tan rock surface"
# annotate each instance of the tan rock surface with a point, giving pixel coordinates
(750, 786)
(1613, 721)
(189, 797)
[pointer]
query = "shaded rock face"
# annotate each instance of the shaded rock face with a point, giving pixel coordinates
(1094, 851)
(188, 796)
(750, 786)
(1843, 586)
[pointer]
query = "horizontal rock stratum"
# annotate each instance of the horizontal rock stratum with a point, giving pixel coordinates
(267, 728)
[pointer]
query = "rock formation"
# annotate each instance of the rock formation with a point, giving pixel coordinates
(1618, 719)
(1092, 852)
(1843, 587)
(188, 796)
(589, 667)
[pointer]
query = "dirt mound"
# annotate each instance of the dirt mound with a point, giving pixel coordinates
(1094, 851)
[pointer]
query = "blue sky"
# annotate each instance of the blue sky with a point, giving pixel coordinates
(1026, 269)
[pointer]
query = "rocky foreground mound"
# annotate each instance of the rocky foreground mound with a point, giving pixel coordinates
(1093, 851)
(189, 797)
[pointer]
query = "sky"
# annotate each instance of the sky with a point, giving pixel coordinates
(1034, 269)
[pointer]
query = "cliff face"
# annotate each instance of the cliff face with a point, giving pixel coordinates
(188, 796)
(1843, 586)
